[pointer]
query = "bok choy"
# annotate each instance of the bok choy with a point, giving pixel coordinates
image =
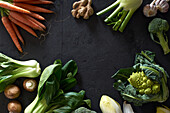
(11, 69)
(53, 96)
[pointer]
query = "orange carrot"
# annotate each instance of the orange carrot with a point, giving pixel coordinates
(39, 2)
(37, 16)
(9, 6)
(9, 28)
(25, 27)
(17, 32)
(33, 8)
(21, 18)
(20, 0)
(34, 20)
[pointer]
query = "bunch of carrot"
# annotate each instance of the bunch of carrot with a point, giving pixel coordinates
(23, 14)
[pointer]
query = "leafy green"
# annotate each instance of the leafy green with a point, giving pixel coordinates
(144, 62)
(83, 110)
(52, 96)
(11, 69)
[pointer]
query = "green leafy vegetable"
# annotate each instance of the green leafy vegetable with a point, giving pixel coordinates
(52, 96)
(144, 82)
(158, 28)
(11, 69)
(122, 14)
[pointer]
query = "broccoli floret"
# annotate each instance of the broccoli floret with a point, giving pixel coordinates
(157, 28)
(144, 85)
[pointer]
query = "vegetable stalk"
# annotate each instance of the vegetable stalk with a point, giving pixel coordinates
(122, 14)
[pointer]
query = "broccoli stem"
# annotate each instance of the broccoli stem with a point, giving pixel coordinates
(112, 6)
(113, 14)
(126, 20)
(163, 43)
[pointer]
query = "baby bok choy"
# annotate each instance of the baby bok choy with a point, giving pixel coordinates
(122, 14)
(11, 69)
(53, 95)
(145, 82)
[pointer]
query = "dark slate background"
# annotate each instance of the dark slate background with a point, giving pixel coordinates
(98, 51)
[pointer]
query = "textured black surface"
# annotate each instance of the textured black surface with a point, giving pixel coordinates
(98, 51)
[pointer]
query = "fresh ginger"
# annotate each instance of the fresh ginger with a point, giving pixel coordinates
(83, 9)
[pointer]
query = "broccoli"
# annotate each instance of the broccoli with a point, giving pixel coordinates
(144, 85)
(83, 110)
(157, 28)
(122, 14)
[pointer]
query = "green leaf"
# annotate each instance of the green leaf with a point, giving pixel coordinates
(68, 83)
(68, 102)
(50, 70)
(51, 87)
(145, 57)
(69, 67)
(123, 74)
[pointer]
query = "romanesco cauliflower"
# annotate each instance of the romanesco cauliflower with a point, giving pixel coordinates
(144, 85)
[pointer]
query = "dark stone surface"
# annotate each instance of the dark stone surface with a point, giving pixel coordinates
(98, 51)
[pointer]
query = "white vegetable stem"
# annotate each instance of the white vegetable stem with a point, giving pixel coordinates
(127, 108)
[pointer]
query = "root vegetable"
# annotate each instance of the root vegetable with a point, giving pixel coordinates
(24, 20)
(12, 91)
(9, 6)
(30, 85)
(14, 107)
(17, 33)
(33, 8)
(25, 27)
(6, 22)
(37, 16)
(39, 2)
(82, 8)
(34, 20)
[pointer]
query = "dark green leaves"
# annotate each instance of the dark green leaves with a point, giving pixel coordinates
(69, 68)
(68, 102)
(54, 82)
(123, 74)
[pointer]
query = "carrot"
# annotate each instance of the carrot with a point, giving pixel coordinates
(9, 6)
(33, 8)
(25, 27)
(39, 2)
(9, 28)
(17, 32)
(20, 17)
(37, 16)
(20, 0)
(34, 20)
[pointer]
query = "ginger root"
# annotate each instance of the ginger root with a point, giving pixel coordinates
(82, 8)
